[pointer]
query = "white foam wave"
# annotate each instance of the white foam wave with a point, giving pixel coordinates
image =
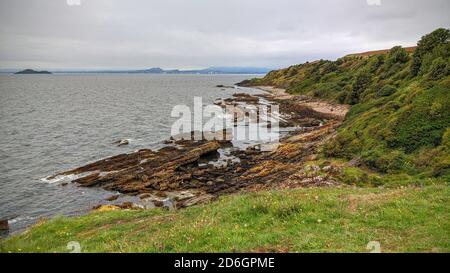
(64, 178)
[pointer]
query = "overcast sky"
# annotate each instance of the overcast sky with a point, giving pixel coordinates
(184, 34)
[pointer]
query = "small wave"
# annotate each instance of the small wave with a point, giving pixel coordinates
(19, 219)
(64, 178)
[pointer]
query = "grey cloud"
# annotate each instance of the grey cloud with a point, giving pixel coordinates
(199, 33)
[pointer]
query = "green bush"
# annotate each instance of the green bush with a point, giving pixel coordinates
(422, 124)
(386, 91)
(397, 55)
(385, 161)
(438, 70)
(426, 45)
(362, 81)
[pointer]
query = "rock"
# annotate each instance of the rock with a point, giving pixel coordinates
(163, 186)
(312, 157)
(224, 86)
(197, 167)
(355, 162)
(4, 225)
(127, 205)
(145, 196)
(112, 197)
(162, 170)
(122, 142)
(161, 194)
(196, 200)
(105, 208)
(331, 169)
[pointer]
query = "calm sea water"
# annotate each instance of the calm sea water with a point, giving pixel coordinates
(52, 123)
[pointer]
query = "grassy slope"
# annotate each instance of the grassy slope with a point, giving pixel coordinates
(399, 123)
(302, 220)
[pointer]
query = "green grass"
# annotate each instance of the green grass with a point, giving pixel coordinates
(345, 219)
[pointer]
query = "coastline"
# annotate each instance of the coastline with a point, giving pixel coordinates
(340, 110)
(173, 177)
(285, 193)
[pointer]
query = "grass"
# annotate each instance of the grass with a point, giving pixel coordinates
(411, 219)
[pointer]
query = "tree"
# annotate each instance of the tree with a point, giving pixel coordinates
(362, 81)
(397, 55)
(426, 45)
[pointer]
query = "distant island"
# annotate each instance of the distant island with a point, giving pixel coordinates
(158, 70)
(31, 71)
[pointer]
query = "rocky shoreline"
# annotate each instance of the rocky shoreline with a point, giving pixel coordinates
(188, 172)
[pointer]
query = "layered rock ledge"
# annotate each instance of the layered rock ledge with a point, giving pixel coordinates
(187, 172)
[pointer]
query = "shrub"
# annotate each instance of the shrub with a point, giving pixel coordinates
(385, 161)
(362, 81)
(426, 45)
(329, 67)
(397, 55)
(438, 70)
(424, 122)
(446, 139)
(386, 91)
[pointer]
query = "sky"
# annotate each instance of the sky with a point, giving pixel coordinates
(190, 34)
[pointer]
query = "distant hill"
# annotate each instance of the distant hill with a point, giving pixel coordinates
(158, 70)
(237, 70)
(210, 70)
(31, 71)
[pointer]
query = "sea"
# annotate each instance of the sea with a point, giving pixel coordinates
(53, 123)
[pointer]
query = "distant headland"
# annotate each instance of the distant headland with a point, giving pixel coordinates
(31, 71)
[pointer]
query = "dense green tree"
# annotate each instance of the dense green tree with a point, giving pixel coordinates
(362, 81)
(397, 55)
(426, 45)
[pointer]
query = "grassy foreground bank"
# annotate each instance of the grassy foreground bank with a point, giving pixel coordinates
(410, 219)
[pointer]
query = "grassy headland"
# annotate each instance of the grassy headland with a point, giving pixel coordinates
(345, 219)
(396, 135)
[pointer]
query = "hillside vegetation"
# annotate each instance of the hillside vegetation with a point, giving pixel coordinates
(301, 220)
(399, 122)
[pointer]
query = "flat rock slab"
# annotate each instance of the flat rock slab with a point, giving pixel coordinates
(177, 174)
(144, 170)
